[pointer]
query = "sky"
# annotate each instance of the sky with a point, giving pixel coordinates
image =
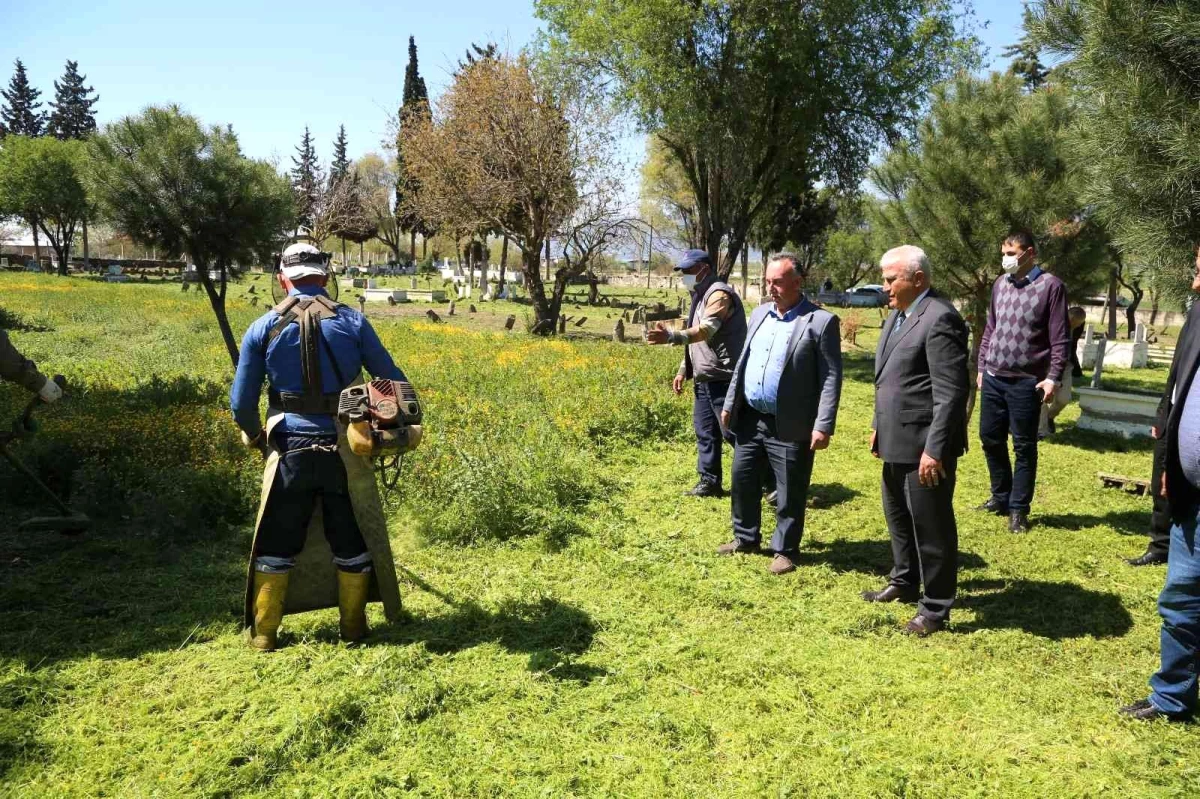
(271, 68)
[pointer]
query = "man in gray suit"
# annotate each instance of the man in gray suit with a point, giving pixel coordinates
(781, 407)
(919, 430)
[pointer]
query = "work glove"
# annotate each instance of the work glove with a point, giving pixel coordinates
(50, 392)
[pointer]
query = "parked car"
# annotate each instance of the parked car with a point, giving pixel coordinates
(871, 296)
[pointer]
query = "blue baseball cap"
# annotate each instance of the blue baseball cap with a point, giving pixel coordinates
(692, 258)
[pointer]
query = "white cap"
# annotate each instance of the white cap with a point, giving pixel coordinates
(305, 260)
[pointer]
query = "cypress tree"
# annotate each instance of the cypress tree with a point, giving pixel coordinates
(416, 100)
(72, 117)
(306, 179)
(20, 114)
(340, 164)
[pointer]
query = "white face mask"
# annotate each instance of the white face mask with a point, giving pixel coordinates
(1011, 263)
(688, 281)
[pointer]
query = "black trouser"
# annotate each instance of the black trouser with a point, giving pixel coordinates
(757, 452)
(1010, 405)
(1160, 517)
(309, 468)
(924, 535)
(709, 398)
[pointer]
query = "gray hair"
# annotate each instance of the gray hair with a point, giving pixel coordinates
(913, 259)
(791, 258)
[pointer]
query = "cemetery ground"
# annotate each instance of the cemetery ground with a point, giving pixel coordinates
(568, 629)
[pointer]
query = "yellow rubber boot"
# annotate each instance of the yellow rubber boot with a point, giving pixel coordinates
(270, 591)
(352, 604)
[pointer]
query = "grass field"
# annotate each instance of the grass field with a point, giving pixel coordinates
(568, 630)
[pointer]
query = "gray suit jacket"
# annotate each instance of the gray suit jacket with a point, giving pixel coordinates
(921, 385)
(811, 382)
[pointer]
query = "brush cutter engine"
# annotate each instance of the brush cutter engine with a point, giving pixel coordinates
(382, 417)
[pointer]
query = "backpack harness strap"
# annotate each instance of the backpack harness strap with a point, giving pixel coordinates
(308, 311)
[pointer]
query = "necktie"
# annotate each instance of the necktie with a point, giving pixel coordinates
(899, 322)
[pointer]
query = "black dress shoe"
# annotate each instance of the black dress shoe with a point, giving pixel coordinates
(923, 626)
(704, 488)
(1148, 558)
(1018, 522)
(891, 593)
(992, 506)
(1145, 710)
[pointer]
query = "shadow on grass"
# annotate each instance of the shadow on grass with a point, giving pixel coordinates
(1071, 435)
(552, 632)
(828, 495)
(10, 321)
(859, 368)
(868, 557)
(1050, 610)
(1125, 522)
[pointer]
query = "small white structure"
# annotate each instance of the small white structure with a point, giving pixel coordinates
(114, 275)
(1129, 415)
(385, 295)
(1122, 354)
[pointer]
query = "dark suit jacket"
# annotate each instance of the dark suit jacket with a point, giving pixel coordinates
(1182, 496)
(811, 382)
(921, 384)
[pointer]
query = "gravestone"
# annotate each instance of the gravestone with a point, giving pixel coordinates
(619, 331)
(508, 323)
(412, 283)
(450, 311)
(562, 324)
(625, 316)
(362, 304)
(471, 309)
(254, 302)
(639, 315)
(433, 317)
(580, 321)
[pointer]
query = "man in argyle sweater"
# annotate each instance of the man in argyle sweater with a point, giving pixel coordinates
(1022, 356)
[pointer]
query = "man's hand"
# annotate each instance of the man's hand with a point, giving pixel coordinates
(1154, 432)
(658, 334)
(1048, 388)
(259, 442)
(819, 440)
(1162, 491)
(979, 380)
(51, 392)
(677, 385)
(874, 449)
(725, 419)
(929, 471)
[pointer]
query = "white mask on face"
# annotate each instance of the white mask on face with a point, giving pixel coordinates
(1011, 263)
(688, 281)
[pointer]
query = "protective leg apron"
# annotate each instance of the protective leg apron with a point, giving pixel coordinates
(313, 582)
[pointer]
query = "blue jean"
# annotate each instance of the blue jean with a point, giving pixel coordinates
(706, 419)
(1173, 687)
(1010, 405)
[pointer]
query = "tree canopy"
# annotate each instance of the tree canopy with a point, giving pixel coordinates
(41, 180)
(339, 167)
(166, 180)
(1135, 66)
(750, 95)
(72, 117)
(20, 115)
(988, 160)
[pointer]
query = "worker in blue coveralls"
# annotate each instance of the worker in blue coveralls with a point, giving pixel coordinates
(308, 349)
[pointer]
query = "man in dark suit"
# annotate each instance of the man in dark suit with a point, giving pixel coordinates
(919, 430)
(781, 406)
(1173, 689)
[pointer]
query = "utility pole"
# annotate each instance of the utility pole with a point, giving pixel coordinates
(649, 252)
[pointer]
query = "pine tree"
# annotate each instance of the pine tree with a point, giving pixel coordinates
(20, 114)
(1026, 58)
(416, 100)
(475, 54)
(306, 180)
(72, 117)
(340, 164)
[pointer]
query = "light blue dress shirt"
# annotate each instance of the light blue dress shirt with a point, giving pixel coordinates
(768, 352)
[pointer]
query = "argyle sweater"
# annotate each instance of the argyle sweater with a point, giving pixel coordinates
(1027, 333)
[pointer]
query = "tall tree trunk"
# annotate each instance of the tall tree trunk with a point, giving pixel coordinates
(1131, 309)
(216, 298)
(977, 311)
(593, 287)
(547, 259)
(745, 267)
(412, 245)
(1153, 306)
(37, 246)
(87, 263)
(1112, 305)
(424, 247)
(545, 315)
(344, 265)
(503, 260)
